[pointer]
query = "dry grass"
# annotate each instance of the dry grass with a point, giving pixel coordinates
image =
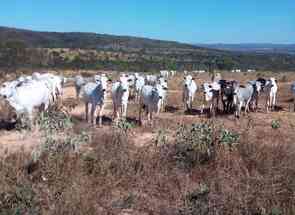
(114, 176)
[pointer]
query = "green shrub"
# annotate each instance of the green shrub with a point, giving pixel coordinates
(194, 144)
(124, 126)
(275, 124)
(54, 120)
(228, 138)
(161, 138)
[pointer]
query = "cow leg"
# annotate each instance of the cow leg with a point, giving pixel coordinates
(86, 111)
(211, 110)
(202, 108)
(274, 101)
(256, 102)
(114, 111)
(266, 104)
(240, 108)
(247, 106)
(139, 114)
(192, 101)
(77, 92)
(224, 106)
(100, 111)
(124, 114)
(159, 108)
(149, 116)
(93, 114)
(118, 110)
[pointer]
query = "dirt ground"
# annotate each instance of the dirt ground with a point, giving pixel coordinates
(260, 122)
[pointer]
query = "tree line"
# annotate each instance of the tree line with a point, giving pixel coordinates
(15, 54)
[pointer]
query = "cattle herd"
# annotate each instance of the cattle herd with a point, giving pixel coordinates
(39, 91)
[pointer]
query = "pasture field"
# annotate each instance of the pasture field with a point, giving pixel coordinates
(132, 169)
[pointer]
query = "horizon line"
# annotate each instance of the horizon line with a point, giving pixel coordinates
(149, 38)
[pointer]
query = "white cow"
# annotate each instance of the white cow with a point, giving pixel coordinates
(8, 86)
(102, 79)
(55, 83)
(189, 91)
(139, 83)
(211, 96)
(242, 98)
(172, 73)
(120, 96)
(271, 89)
(164, 74)
(151, 80)
(164, 83)
(151, 98)
(27, 97)
(79, 81)
(94, 94)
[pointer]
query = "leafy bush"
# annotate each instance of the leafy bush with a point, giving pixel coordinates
(124, 126)
(275, 124)
(194, 144)
(54, 120)
(228, 138)
(161, 138)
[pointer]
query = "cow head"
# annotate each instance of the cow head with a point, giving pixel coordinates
(158, 92)
(7, 89)
(124, 84)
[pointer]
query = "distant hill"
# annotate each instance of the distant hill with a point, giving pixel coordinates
(26, 48)
(253, 47)
(87, 40)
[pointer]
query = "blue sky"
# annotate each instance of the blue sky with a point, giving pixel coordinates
(193, 21)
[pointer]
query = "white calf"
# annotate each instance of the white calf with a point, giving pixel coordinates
(164, 74)
(26, 98)
(120, 96)
(164, 83)
(189, 90)
(271, 89)
(151, 80)
(211, 96)
(139, 83)
(94, 94)
(151, 98)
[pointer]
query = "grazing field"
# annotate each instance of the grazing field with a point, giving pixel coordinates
(185, 163)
